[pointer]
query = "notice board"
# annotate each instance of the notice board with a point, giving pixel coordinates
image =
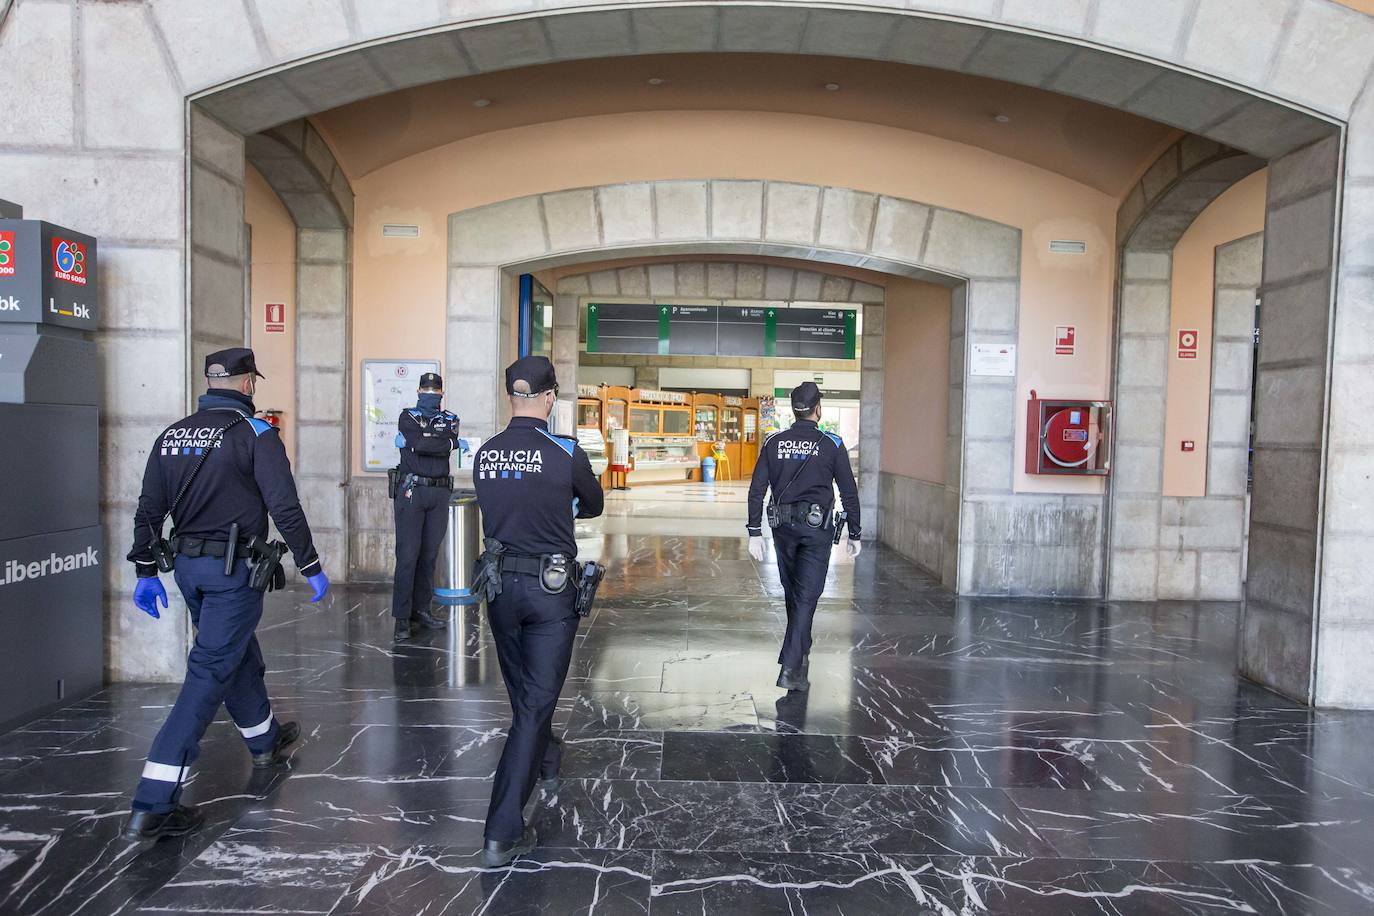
(388, 388)
(712, 330)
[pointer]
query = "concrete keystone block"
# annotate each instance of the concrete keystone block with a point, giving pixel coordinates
(627, 213)
(207, 43)
(1152, 28)
(971, 247)
(846, 219)
(665, 29)
(792, 212)
(600, 34)
(1066, 17)
(505, 45)
(681, 209)
(571, 219)
(900, 229)
(321, 289)
(762, 29)
(1236, 38)
(282, 20)
(736, 209)
(846, 33)
(497, 233)
(1324, 58)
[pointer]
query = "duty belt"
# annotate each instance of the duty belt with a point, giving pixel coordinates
(415, 480)
(794, 513)
(201, 547)
(525, 566)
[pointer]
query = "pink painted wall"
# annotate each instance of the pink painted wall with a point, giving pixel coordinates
(1235, 214)
(273, 279)
(400, 284)
(915, 380)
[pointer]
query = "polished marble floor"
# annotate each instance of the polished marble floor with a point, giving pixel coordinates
(953, 757)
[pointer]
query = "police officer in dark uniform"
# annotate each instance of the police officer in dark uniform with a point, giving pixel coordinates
(426, 437)
(218, 473)
(530, 485)
(802, 465)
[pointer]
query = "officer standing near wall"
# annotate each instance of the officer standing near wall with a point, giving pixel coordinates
(530, 485)
(426, 437)
(801, 466)
(217, 474)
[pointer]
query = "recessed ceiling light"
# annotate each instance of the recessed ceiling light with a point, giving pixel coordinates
(480, 103)
(1001, 118)
(832, 87)
(656, 81)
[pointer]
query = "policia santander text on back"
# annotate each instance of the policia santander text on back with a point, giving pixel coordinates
(217, 474)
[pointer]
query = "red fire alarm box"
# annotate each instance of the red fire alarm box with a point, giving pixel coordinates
(1068, 438)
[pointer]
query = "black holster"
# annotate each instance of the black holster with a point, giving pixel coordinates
(393, 481)
(265, 572)
(587, 583)
(486, 573)
(841, 520)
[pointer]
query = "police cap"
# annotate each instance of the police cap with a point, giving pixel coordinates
(537, 371)
(432, 380)
(231, 362)
(805, 397)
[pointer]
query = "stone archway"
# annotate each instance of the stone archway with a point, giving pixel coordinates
(843, 226)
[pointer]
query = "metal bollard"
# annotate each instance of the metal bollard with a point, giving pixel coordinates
(458, 553)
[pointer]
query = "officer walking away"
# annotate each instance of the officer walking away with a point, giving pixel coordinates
(426, 436)
(530, 485)
(218, 474)
(801, 466)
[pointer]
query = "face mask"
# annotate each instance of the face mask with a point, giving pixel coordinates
(430, 402)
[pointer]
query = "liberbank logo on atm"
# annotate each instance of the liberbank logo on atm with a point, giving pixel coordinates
(15, 572)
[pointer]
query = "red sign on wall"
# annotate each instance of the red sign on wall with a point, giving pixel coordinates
(1187, 344)
(275, 318)
(1064, 340)
(6, 254)
(69, 261)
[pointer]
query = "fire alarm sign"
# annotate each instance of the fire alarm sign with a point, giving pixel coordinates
(1187, 344)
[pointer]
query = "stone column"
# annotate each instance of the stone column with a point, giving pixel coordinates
(871, 416)
(954, 438)
(565, 349)
(323, 389)
(1277, 644)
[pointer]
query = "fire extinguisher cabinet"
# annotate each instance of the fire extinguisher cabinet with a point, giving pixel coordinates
(1068, 438)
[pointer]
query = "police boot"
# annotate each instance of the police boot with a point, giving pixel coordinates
(287, 734)
(497, 853)
(402, 631)
(793, 679)
(145, 828)
(428, 620)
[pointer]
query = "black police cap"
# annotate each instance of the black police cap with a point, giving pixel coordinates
(805, 396)
(432, 380)
(231, 362)
(536, 371)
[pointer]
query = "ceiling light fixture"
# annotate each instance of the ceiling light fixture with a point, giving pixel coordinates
(832, 87)
(656, 81)
(1001, 118)
(480, 103)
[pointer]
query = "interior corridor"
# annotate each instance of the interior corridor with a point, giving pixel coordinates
(953, 756)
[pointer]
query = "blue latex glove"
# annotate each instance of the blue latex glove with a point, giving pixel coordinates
(147, 593)
(320, 583)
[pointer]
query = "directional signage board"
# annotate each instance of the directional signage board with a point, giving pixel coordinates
(815, 333)
(711, 330)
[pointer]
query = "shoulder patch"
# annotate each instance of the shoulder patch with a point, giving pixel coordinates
(259, 427)
(566, 445)
(839, 443)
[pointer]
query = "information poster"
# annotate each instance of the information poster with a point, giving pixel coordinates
(388, 388)
(992, 359)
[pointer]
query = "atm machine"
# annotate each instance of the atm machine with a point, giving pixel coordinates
(52, 617)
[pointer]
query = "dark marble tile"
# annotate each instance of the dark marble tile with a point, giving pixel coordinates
(743, 817)
(245, 878)
(621, 755)
(709, 757)
(770, 883)
(1031, 762)
(1290, 890)
(1162, 826)
(645, 711)
(432, 879)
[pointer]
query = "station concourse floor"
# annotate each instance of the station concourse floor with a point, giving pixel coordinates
(953, 756)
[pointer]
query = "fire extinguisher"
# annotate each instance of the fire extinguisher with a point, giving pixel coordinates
(271, 416)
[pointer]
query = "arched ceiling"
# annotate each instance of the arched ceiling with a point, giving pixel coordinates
(1101, 147)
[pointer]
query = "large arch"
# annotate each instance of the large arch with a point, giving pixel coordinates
(255, 67)
(879, 233)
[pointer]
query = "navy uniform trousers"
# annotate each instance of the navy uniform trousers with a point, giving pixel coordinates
(225, 666)
(421, 521)
(534, 632)
(803, 556)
